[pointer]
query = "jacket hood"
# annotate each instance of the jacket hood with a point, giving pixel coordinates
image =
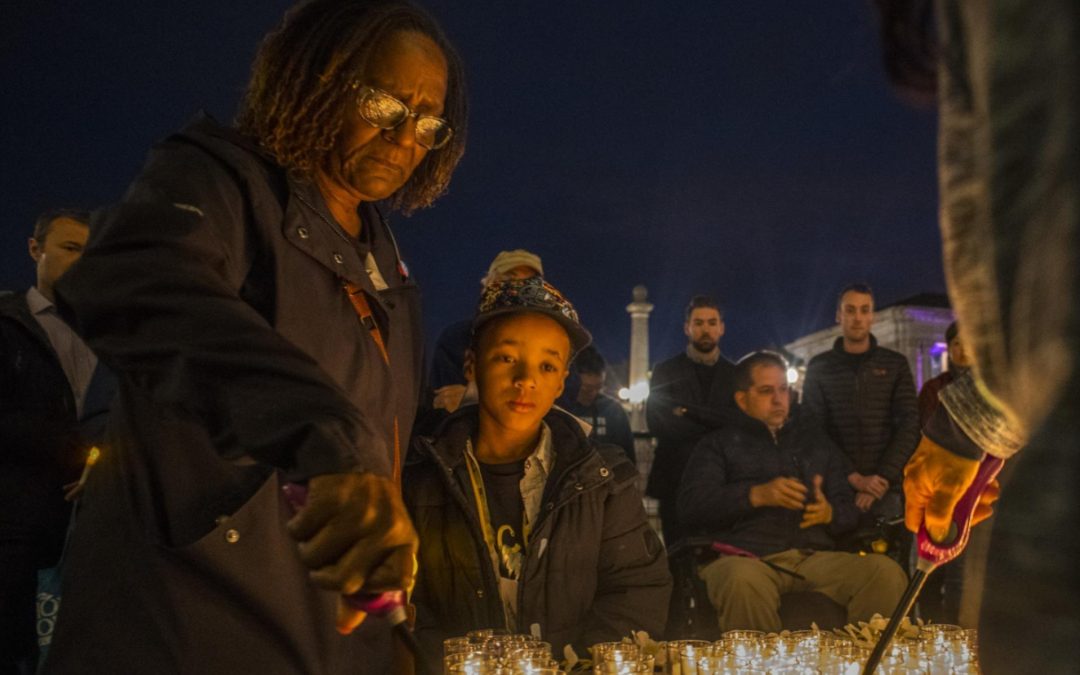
(203, 127)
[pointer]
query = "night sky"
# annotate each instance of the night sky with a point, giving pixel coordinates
(748, 150)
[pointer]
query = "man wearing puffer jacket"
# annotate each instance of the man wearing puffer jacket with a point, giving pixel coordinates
(863, 396)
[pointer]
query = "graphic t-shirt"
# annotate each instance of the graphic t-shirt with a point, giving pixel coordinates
(502, 482)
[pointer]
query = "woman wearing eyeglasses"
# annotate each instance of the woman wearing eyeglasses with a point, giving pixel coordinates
(266, 331)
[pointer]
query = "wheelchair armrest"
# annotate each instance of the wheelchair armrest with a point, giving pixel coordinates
(690, 545)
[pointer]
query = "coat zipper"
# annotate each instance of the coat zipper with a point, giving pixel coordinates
(448, 476)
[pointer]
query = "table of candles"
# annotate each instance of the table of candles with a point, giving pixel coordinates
(934, 649)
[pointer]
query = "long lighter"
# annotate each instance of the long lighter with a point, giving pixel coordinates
(388, 604)
(932, 555)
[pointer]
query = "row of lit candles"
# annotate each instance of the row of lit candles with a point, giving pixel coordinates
(936, 649)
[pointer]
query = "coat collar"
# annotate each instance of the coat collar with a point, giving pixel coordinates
(758, 429)
(15, 307)
(838, 346)
(574, 455)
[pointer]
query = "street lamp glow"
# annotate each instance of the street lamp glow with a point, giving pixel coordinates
(639, 392)
(792, 375)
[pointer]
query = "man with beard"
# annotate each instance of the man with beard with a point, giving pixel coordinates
(265, 331)
(690, 394)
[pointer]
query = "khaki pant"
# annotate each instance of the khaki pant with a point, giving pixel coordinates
(746, 592)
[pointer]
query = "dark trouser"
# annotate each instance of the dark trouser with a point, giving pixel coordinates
(18, 587)
(1030, 620)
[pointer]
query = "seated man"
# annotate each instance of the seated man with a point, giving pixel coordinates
(522, 520)
(780, 492)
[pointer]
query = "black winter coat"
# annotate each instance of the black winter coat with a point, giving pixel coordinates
(675, 384)
(870, 412)
(593, 571)
(714, 498)
(214, 290)
(40, 444)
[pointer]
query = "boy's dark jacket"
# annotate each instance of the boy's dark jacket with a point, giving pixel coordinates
(714, 496)
(594, 570)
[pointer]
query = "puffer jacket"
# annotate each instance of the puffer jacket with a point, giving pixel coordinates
(869, 411)
(593, 571)
(714, 495)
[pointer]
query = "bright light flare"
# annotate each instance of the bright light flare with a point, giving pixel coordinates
(635, 394)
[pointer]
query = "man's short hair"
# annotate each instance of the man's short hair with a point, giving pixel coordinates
(703, 301)
(44, 222)
(744, 369)
(590, 361)
(857, 287)
(951, 332)
(301, 88)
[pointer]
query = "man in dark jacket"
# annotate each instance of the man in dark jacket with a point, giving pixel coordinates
(690, 395)
(265, 331)
(609, 422)
(522, 520)
(778, 491)
(46, 371)
(864, 397)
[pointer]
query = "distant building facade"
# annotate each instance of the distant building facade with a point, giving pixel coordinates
(915, 327)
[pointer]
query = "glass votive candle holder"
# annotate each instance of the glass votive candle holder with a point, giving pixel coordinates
(457, 644)
(464, 663)
(689, 651)
(745, 650)
(671, 654)
(616, 651)
(935, 633)
(844, 660)
(531, 664)
(893, 667)
(621, 667)
(484, 633)
(743, 634)
(797, 669)
(529, 650)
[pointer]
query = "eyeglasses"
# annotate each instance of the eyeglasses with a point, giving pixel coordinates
(381, 110)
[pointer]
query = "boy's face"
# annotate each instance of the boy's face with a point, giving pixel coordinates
(519, 368)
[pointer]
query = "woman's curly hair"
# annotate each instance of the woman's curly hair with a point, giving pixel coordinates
(301, 88)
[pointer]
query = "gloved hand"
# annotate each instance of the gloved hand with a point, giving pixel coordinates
(934, 481)
(355, 534)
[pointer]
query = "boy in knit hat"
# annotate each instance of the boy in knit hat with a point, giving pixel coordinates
(524, 523)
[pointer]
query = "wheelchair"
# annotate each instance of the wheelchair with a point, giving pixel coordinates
(691, 615)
